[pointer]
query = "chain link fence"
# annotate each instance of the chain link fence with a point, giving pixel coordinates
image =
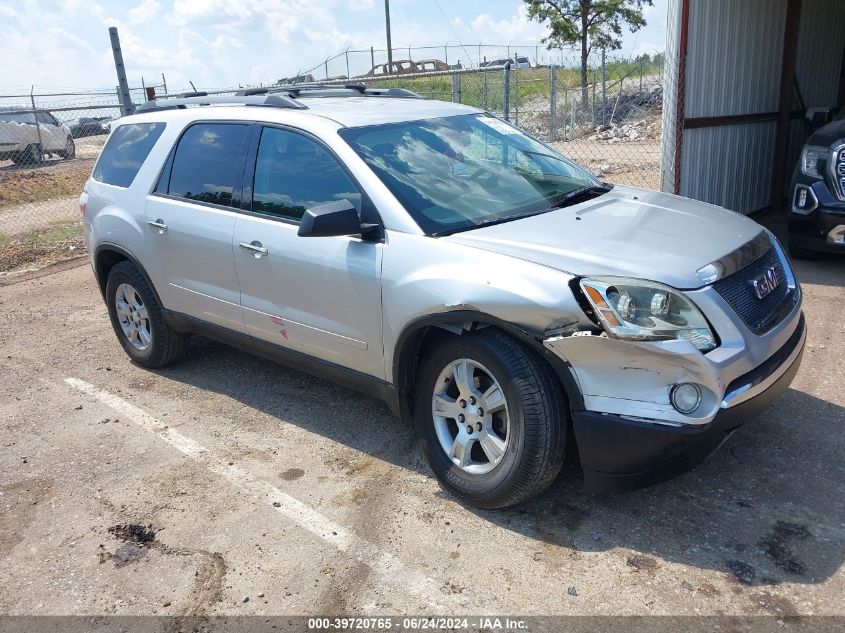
(611, 126)
(48, 145)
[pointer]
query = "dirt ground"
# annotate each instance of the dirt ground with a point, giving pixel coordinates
(229, 485)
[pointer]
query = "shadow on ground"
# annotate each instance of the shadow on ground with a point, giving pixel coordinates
(767, 508)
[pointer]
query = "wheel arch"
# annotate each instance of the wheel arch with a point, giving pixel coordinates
(406, 356)
(107, 256)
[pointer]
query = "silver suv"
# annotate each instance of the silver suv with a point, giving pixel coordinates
(516, 308)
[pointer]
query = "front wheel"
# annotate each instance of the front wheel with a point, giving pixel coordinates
(490, 417)
(70, 149)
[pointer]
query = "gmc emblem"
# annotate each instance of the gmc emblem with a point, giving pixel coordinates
(767, 282)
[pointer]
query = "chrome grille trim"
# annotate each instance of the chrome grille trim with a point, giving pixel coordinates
(837, 171)
(761, 315)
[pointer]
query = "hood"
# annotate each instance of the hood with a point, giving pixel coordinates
(626, 232)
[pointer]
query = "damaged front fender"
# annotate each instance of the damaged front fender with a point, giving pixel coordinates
(634, 378)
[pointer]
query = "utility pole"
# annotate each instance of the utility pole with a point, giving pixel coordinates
(126, 106)
(389, 49)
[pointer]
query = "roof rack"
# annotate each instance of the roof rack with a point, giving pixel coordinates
(266, 100)
(298, 91)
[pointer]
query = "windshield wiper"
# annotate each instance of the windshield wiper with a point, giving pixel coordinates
(567, 199)
(490, 222)
(579, 195)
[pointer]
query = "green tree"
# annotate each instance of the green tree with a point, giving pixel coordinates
(590, 23)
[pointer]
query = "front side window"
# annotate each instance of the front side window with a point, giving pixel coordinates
(461, 172)
(125, 153)
(294, 173)
(206, 162)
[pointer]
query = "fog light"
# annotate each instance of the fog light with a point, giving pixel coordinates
(685, 397)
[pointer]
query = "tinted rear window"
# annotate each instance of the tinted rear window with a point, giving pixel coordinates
(125, 152)
(206, 161)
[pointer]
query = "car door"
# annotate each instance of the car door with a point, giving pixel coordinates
(317, 295)
(190, 220)
(53, 137)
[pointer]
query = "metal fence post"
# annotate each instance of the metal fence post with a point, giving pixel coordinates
(37, 124)
(553, 105)
(485, 92)
(603, 88)
(506, 93)
(126, 106)
(641, 74)
(456, 88)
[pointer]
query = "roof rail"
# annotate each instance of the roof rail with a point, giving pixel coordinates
(331, 90)
(266, 100)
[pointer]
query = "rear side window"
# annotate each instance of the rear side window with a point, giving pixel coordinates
(125, 152)
(206, 162)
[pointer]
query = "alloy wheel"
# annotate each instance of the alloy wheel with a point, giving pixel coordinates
(133, 317)
(470, 415)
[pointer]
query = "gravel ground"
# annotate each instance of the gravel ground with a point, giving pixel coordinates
(230, 485)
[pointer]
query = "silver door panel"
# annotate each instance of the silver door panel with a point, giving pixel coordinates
(191, 260)
(317, 295)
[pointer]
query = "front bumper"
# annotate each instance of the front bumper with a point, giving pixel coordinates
(620, 453)
(823, 228)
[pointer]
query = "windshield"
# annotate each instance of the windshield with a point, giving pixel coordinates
(460, 172)
(18, 117)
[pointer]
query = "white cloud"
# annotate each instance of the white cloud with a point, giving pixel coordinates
(360, 5)
(516, 28)
(145, 12)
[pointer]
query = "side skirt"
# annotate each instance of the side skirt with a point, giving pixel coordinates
(355, 380)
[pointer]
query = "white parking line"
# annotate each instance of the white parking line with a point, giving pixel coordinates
(389, 567)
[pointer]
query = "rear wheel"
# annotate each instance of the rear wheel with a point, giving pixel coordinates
(490, 417)
(138, 320)
(31, 155)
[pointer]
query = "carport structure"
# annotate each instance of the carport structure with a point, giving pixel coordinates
(741, 75)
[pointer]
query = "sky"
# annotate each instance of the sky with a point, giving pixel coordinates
(224, 43)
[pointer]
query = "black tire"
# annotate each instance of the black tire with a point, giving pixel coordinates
(796, 252)
(29, 157)
(167, 346)
(538, 410)
(70, 149)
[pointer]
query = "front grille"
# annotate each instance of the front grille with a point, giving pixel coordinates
(760, 315)
(839, 172)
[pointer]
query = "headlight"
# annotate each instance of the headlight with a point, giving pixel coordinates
(812, 161)
(640, 310)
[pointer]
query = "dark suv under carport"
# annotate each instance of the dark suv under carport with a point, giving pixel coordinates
(817, 209)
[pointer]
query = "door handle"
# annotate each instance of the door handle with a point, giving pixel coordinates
(159, 224)
(255, 248)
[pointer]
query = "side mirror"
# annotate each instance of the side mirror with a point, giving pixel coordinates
(819, 117)
(336, 218)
